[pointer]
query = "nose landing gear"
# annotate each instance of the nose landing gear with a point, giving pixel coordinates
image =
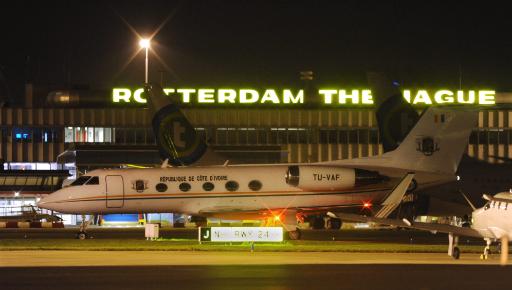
(453, 249)
(487, 250)
(82, 234)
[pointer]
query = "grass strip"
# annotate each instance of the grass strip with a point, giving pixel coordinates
(193, 245)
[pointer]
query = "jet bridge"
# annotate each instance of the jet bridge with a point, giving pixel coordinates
(23, 182)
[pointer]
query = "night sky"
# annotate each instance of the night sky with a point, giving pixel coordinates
(256, 43)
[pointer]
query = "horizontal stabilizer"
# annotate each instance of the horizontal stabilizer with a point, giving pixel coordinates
(431, 227)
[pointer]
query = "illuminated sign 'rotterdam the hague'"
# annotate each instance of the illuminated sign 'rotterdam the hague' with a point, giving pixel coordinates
(288, 96)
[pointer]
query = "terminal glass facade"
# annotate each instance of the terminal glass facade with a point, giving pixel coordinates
(304, 135)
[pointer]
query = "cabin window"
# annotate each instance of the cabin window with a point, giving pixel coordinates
(95, 180)
(184, 186)
(161, 187)
(255, 185)
(487, 206)
(232, 185)
(80, 181)
(208, 186)
(140, 185)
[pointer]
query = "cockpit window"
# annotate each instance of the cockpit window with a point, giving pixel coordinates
(93, 181)
(80, 181)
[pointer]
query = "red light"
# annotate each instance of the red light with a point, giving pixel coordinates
(367, 205)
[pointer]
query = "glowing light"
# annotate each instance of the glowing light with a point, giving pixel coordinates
(277, 218)
(145, 43)
(16, 193)
(367, 204)
(486, 97)
(241, 234)
(290, 97)
(458, 177)
(120, 94)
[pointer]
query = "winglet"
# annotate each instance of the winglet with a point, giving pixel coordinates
(165, 164)
(395, 197)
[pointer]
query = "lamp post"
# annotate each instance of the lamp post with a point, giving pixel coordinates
(145, 43)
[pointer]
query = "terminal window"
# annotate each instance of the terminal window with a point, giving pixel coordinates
(87, 135)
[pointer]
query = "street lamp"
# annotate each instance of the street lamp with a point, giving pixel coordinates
(145, 43)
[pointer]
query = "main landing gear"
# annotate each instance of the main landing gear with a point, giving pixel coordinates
(318, 222)
(289, 223)
(295, 235)
(82, 234)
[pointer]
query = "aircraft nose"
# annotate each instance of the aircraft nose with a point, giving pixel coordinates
(48, 202)
(42, 202)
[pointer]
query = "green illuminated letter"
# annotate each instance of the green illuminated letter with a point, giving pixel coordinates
(366, 97)
(168, 91)
(486, 97)
(407, 95)
(121, 94)
(205, 96)
(440, 98)
(249, 96)
(342, 97)
(469, 100)
(327, 95)
(186, 94)
(270, 95)
(226, 95)
(422, 97)
(288, 97)
(137, 96)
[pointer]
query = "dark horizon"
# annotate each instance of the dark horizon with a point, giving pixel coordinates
(258, 44)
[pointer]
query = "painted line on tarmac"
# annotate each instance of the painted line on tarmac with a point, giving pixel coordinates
(154, 258)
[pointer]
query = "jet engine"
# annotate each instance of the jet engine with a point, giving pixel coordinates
(311, 177)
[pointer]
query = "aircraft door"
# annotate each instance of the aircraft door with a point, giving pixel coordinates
(114, 191)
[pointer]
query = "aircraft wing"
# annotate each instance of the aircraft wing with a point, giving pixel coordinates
(434, 228)
(389, 204)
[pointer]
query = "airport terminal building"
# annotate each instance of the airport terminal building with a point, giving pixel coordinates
(69, 134)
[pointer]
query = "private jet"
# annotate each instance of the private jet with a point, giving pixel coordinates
(282, 193)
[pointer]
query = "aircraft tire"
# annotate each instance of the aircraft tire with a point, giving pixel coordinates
(334, 223)
(294, 235)
(318, 223)
(456, 253)
(81, 236)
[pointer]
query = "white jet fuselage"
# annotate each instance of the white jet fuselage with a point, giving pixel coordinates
(158, 190)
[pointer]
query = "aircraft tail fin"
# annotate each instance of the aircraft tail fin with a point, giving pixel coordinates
(176, 138)
(437, 141)
(395, 116)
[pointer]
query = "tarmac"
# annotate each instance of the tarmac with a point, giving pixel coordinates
(198, 258)
(86, 270)
(126, 270)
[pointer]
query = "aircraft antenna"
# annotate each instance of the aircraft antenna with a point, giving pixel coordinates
(467, 200)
